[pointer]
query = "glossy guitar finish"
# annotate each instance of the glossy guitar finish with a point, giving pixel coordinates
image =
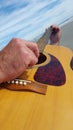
(33, 111)
(53, 71)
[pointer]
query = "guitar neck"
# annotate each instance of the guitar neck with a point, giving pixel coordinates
(43, 41)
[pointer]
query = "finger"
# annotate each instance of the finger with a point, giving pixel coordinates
(30, 45)
(30, 58)
(33, 47)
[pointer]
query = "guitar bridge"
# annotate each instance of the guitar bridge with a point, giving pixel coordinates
(19, 82)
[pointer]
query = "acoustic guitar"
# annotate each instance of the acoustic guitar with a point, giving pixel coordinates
(27, 110)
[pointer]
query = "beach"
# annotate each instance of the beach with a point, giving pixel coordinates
(67, 35)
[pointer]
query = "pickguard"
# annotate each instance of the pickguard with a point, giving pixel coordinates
(51, 73)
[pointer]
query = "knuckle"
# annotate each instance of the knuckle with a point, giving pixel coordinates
(16, 40)
(16, 43)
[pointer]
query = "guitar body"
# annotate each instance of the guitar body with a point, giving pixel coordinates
(32, 111)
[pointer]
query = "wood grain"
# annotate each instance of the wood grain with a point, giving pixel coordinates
(33, 111)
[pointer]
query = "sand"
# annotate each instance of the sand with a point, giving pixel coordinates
(67, 35)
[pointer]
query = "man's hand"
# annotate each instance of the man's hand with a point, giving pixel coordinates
(17, 56)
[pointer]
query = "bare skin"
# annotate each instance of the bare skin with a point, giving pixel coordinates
(55, 35)
(16, 57)
(19, 54)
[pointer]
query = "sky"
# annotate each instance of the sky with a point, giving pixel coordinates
(28, 19)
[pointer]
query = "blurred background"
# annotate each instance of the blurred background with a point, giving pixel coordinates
(28, 19)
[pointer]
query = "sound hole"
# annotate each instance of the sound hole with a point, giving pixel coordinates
(42, 58)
